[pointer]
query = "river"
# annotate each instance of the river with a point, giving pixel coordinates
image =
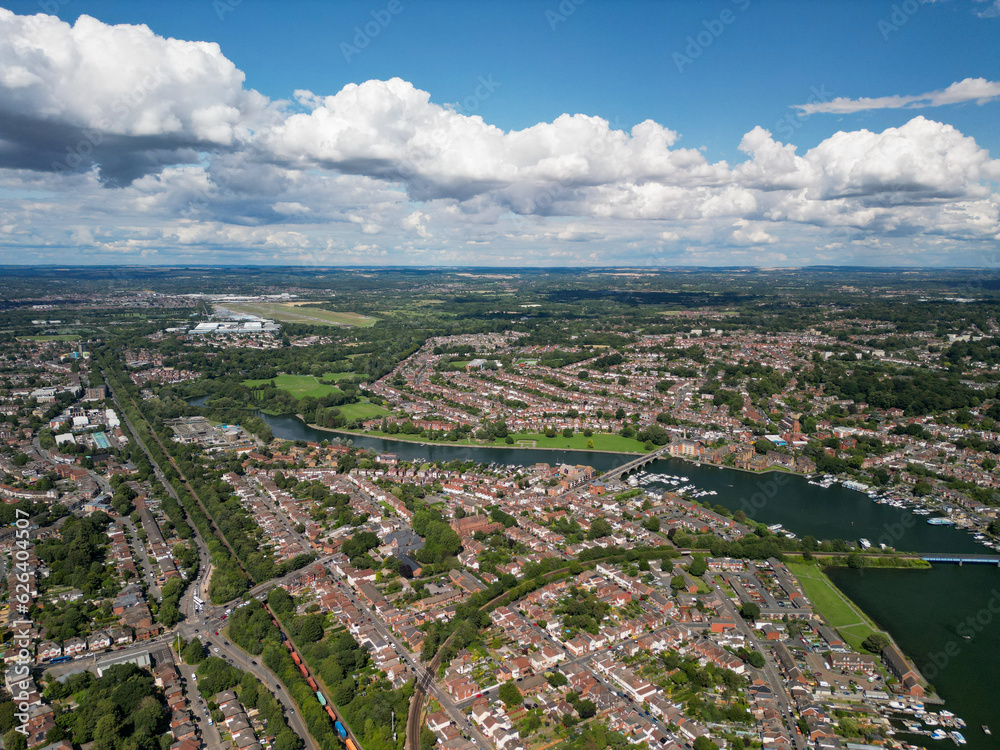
(924, 610)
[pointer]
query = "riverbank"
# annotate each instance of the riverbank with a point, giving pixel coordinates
(837, 610)
(883, 562)
(553, 445)
(843, 614)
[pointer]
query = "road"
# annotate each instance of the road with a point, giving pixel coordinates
(425, 677)
(770, 670)
(221, 647)
(205, 621)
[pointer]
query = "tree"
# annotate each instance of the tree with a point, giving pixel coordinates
(855, 560)
(599, 528)
(677, 583)
(194, 652)
(427, 738)
(875, 642)
(705, 743)
(7, 715)
(555, 679)
(698, 566)
(750, 611)
(510, 695)
(586, 709)
(14, 740)
(756, 659)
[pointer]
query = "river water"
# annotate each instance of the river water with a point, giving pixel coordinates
(927, 611)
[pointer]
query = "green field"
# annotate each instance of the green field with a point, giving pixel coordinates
(839, 611)
(298, 385)
(53, 337)
(363, 410)
(336, 377)
(289, 312)
(602, 442)
(578, 442)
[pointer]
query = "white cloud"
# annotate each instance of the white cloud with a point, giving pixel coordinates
(978, 90)
(200, 162)
(992, 10)
(120, 97)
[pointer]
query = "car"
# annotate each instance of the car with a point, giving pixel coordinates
(479, 695)
(216, 632)
(253, 662)
(196, 630)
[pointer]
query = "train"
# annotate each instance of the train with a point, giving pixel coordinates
(311, 681)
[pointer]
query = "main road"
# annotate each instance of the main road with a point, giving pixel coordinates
(205, 621)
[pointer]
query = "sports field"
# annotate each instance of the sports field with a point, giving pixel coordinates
(839, 611)
(298, 385)
(291, 312)
(363, 410)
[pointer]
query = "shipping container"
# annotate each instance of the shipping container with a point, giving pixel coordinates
(341, 729)
(312, 684)
(303, 670)
(296, 658)
(321, 698)
(333, 716)
(351, 745)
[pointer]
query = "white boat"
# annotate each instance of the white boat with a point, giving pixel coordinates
(958, 737)
(939, 734)
(864, 543)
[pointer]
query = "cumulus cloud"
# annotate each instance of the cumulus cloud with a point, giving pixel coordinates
(118, 97)
(197, 158)
(391, 130)
(978, 90)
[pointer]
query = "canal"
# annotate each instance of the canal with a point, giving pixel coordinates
(947, 618)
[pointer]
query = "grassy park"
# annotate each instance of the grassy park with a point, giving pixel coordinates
(839, 611)
(299, 386)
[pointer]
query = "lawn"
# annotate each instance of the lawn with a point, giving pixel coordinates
(298, 385)
(363, 410)
(839, 611)
(290, 312)
(336, 377)
(578, 441)
(53, 337)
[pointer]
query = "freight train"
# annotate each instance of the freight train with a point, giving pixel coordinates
(311, 681)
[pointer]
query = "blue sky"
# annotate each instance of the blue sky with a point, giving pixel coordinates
(909, 192)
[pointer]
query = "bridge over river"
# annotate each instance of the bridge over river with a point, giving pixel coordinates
(962, 559)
